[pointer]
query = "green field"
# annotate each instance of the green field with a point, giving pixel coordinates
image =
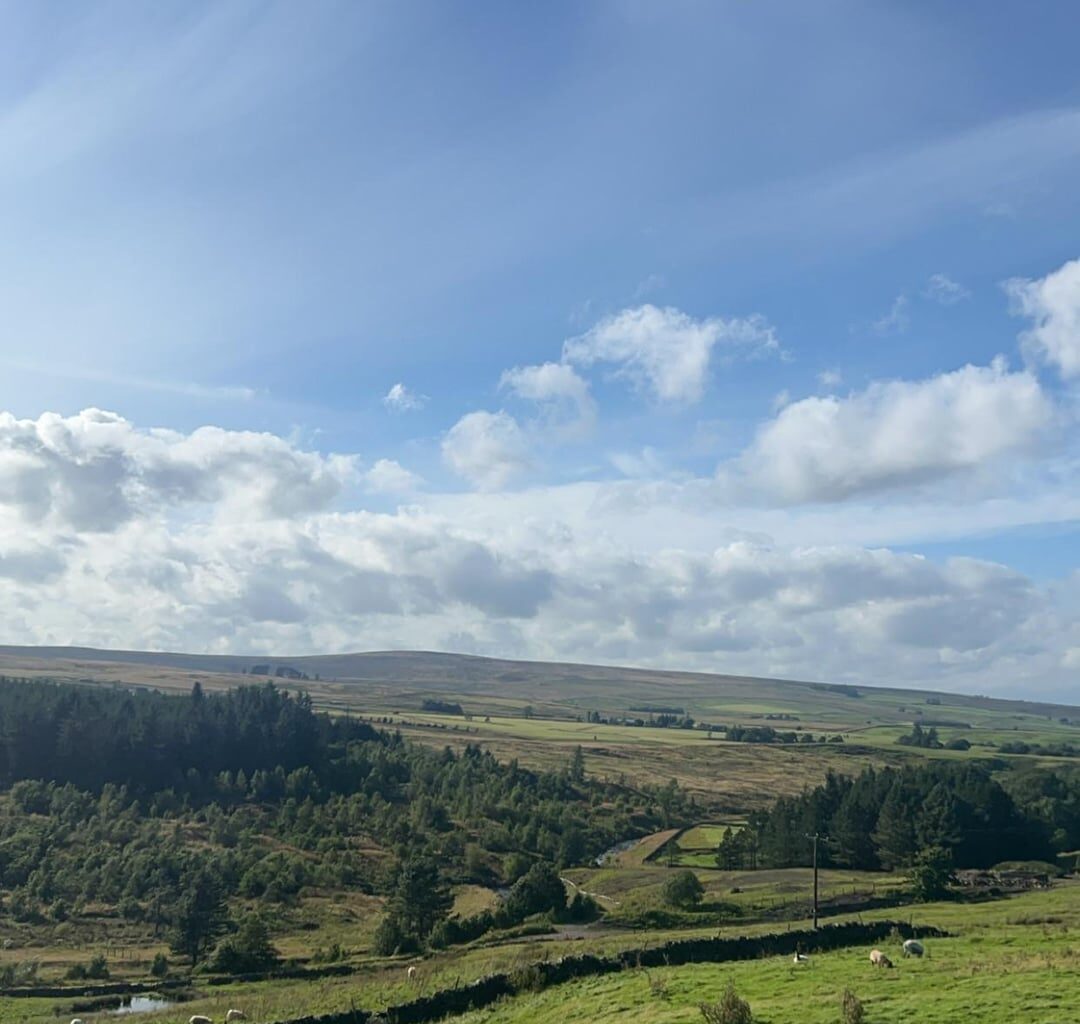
(536, 712)
(1012, 962)
(1013, 959)
(1009, 959)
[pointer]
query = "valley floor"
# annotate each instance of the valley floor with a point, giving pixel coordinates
(1016, 959)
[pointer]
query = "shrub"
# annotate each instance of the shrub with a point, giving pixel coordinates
(247, 952)
(683, 889)
(658, 986)
(391, 938)
(730, 1010)
(931, 873)
(15, 974)
(527, 978)
(98, 968)
(329, 954)
(160, 967)
(851, 1008)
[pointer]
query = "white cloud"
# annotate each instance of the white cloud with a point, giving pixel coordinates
(557, 388)
(897, 320)
(487, 448)
(639, 571)
(95, 470)
(400, 399)
(896, 434)
(644, 463)
(942, 289)
(667, 351)
(830, 378)
(1053, 303)
(388, 476)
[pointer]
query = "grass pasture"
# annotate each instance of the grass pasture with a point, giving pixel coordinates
(1017, 961)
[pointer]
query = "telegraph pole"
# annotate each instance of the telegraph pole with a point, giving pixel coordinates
(815, 838)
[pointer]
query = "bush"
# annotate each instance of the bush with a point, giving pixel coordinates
(851, 1008)
(15, 974)
(247, 952)
(538, 891)
(98, 968)
(683, 889)
(527, 978)
(329, 954)
(730, 1010)
(391, 938)
(931, 874)
(160, 967)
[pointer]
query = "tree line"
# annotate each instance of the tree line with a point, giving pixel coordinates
(888, 818)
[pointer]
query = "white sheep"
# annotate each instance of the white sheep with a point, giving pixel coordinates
(198, 1018)
(235, 1015)
(411, 972)
(913, 947)
(800, 958)
(879, 959)
(77, 1020)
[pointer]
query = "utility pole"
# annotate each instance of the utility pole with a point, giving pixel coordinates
(815, 838)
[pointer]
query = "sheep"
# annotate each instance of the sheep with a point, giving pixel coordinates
(411, 972)
(800, 958)
(198, 1018)
(879, 959)
(77, 1020)
(913, 947)
(235, 1015)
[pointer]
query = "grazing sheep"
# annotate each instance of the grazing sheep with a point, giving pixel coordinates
(913, 947)
(800, 958)
(879, 959)
(198, 1018)
(411, 972)
(235, 1015)
(77, 1020)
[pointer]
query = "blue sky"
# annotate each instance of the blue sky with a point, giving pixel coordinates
(676, 297)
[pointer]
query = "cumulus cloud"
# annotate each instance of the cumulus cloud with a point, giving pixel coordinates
(497, 579)
(95, 470)
(400, 399)
(1053, 303)
(666, 351)
(562, 395)
(487, 448)
(388, 476)
(895, 434)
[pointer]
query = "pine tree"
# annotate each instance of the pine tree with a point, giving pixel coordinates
(199, 917)
(894, 835)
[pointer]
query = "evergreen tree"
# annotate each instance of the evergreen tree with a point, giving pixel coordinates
(931, 873)
(421, 899)
(200, 916)
(894, 835)
(577, 766)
